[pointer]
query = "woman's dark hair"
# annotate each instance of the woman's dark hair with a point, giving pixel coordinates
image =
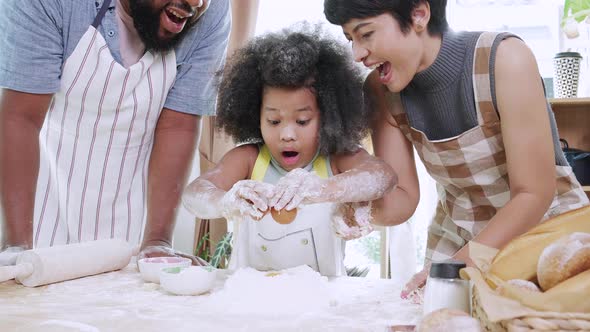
(294, 58)
(339, 12)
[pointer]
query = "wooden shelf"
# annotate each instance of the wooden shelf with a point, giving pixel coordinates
(572, 116)
(572, 102)
(586, 188)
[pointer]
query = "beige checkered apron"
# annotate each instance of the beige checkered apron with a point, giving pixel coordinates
(471, 172)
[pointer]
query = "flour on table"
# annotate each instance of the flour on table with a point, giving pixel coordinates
(120, 301)
(64, 325)
(291, 291)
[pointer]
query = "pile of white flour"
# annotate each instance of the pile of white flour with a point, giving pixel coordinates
(292, 291)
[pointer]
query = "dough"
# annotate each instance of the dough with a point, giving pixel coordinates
(563, 259)
(445, 320)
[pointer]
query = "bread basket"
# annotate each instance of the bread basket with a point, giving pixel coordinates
(500, 314)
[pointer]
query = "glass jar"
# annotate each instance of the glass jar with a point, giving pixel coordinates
(445, 288)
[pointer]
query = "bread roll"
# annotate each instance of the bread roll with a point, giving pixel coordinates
(444, 320)
(564, 259)
(519, 258)
(520, 283)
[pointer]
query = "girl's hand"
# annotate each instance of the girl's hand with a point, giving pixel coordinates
(352, 220)
(296, 187)
(246, 198)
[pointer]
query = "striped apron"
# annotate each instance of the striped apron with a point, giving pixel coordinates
(471, 172)
(95, 144)
(308, 240)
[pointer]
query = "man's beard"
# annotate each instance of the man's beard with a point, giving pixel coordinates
(146, 20)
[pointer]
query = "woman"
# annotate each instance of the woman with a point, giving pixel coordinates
(472, 105)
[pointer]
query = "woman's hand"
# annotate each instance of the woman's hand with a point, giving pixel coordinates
(414, 289)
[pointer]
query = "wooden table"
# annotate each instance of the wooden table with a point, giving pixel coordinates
(121, 301)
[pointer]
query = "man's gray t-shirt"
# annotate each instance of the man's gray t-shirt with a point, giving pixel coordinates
(37, 36)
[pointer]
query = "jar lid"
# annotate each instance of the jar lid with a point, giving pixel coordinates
(448, 269)
(567, 55)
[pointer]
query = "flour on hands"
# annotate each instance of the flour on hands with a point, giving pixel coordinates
(352, 220)
(246, 198)
(297, 187)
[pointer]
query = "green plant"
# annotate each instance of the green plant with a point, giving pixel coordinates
(372, 247)
(222, 251)
(358, 271)
(574, 12)
(202, 249)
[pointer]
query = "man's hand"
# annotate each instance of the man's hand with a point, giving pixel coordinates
(149, 251)
(8, 256)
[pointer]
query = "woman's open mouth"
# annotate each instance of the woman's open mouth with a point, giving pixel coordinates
(384, 72)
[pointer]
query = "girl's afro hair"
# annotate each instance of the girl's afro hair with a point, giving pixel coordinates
(295, 58)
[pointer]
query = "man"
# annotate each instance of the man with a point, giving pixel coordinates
(99, 115)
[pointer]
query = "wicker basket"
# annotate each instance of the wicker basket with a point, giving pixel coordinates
(537, 321)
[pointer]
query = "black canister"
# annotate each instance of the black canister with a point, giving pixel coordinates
(579, 160)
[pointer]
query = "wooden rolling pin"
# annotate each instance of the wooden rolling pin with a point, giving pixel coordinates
(44, 266)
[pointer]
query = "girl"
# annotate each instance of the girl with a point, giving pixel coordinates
(473, 106)
(294, 99)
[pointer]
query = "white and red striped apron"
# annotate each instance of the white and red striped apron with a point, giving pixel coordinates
(95, 144)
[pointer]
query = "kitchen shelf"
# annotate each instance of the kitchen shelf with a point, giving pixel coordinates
(570, 102)
(572, 116)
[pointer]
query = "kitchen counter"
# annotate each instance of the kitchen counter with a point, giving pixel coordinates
(121, 301)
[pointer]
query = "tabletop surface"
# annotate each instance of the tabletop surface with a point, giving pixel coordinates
(121, 301)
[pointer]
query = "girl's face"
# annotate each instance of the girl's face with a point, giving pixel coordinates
(378, 42)
(290, 125)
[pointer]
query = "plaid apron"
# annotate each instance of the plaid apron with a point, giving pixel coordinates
(471, 172)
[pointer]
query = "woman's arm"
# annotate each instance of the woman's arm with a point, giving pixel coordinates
(528, 143)
(389, 144)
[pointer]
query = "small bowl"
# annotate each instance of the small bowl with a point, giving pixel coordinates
(150, 267)
(192, 280)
